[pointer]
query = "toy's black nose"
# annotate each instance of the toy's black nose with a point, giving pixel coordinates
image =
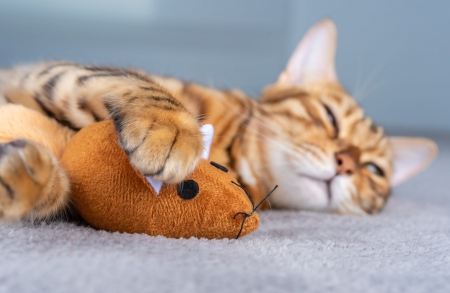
(188, 189)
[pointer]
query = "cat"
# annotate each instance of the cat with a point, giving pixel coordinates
(305, 133)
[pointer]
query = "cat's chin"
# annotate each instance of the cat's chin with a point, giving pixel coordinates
(304, 193)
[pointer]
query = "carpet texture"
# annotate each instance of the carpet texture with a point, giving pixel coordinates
(406, 248)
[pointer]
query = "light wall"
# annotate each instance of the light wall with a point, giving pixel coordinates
(393, 55)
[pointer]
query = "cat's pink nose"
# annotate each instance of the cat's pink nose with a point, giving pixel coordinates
(345, 164)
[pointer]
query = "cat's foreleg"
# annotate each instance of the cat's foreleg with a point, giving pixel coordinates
(160, 136)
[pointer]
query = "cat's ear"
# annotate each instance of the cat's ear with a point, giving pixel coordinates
(313, 59)
(410, 156)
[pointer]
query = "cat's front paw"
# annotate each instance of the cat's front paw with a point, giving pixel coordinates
(25, 170)
(164, 147)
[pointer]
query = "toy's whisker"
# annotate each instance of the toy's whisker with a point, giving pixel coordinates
(242, 226)
(254, 208)
(248, 195)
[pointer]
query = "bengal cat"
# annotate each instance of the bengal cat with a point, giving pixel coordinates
(305, 133)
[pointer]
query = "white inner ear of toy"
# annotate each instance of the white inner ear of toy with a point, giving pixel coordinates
(208, 131)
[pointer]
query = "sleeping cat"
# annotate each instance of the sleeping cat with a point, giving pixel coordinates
(304, 133)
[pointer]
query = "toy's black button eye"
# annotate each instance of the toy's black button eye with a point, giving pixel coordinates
(220, 167)
(188, 189)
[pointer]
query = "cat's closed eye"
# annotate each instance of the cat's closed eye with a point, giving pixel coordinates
(373, 168)
(332, 120)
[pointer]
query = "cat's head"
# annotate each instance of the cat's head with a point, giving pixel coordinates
(327, 155)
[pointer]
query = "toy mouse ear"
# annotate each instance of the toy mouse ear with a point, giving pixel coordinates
(208, 132)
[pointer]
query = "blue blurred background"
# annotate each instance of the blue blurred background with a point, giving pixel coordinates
(392, 55)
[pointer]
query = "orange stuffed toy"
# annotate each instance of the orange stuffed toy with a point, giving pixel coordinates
(110, 194)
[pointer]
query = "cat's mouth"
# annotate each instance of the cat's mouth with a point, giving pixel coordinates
(326, 182)
(329, 193)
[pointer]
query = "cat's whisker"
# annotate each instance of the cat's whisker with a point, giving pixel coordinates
(370, 89)
(358, 78)
(357, 94)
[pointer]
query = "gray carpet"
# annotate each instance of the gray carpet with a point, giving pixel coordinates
(406, 248)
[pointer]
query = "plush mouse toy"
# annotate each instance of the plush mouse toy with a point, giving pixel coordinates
(110, 194)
